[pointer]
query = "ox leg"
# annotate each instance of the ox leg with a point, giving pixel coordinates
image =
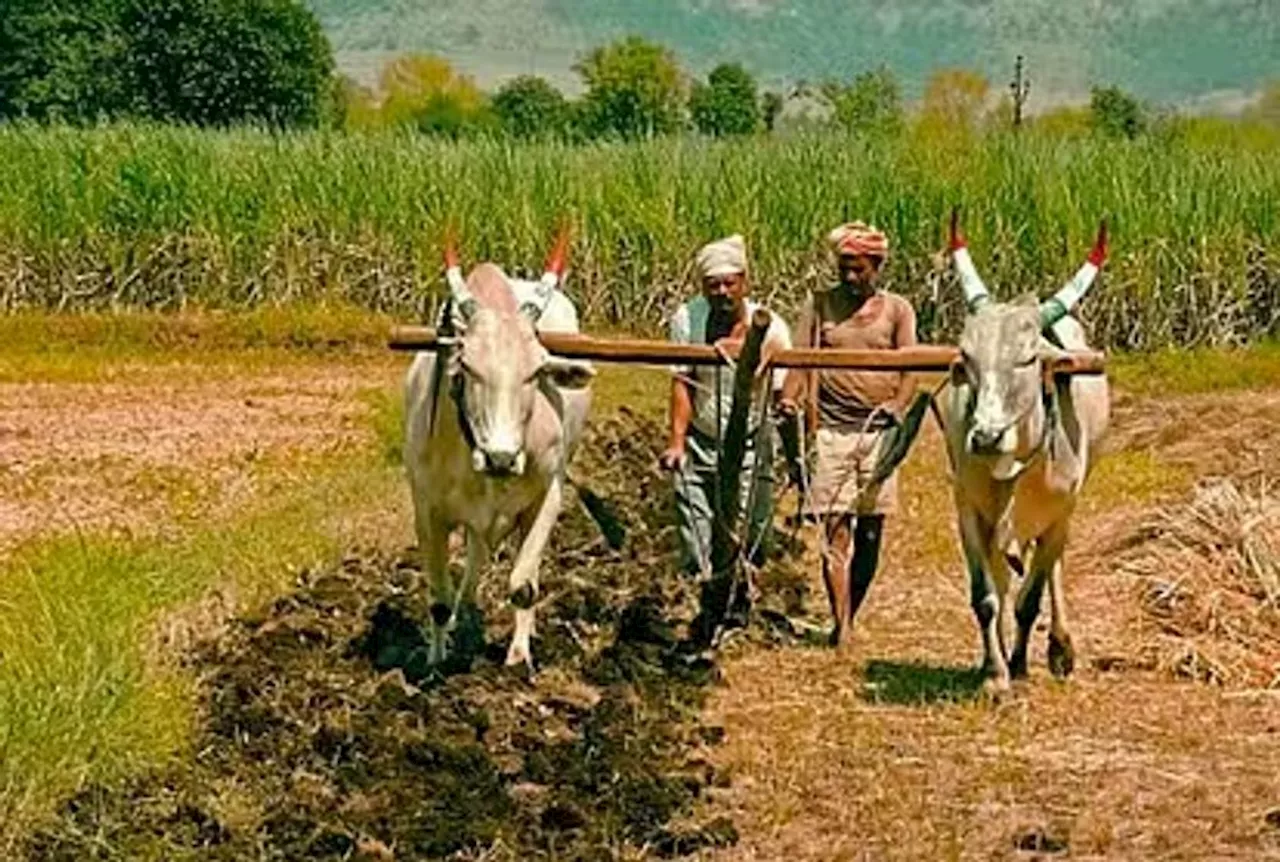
(1062, 655)
(1026, 612)
(433, 547)
(1046, 567)
(524, 575)
(985, 596)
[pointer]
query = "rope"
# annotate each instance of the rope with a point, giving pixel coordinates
(756, 466)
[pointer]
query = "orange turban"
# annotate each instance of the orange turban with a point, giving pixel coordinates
(860, 238)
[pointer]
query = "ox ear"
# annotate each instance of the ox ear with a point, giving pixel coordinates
(975, 292)
(1060, 305)
(567, 373)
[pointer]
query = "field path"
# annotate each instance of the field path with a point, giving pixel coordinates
(889, 753)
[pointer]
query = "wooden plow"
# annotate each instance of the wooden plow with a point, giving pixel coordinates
(725, 594)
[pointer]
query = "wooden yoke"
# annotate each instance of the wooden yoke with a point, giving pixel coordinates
(920, 358)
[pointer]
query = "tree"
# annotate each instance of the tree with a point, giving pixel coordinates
(955, 99)
(1268, 108)
(871, 103)
(634, 89)
(727, 104)
(62, 60)
(770, 109)
(217, 62)
(210, 62)
(424, 92)
(355, 105)
(1116, 113)
(529, 107)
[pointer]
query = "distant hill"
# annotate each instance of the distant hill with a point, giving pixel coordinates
(1184, 51)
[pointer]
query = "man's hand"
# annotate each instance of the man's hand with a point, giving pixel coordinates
(672, 459)
(787, 406)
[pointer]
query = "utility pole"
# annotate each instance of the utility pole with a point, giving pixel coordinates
(1021, 88)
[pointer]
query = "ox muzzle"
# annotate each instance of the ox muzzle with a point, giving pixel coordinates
(499, 463)
(986, 440)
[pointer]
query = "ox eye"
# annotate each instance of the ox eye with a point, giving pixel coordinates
(1027, 363)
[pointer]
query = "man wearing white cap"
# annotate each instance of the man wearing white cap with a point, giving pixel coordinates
(700, 413)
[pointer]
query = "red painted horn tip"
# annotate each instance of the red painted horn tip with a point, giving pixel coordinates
(1099, 254)
(559, 252)
(450, 247)
(958, 240)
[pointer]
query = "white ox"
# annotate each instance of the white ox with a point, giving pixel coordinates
(488, 442)
(1021, 446)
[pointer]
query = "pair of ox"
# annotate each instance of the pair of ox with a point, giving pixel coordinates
(490, 434)
(491, 423)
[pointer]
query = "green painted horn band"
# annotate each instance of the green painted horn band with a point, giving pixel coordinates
(1051, 311)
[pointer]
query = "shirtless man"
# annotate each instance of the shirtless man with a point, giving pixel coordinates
(852, 409)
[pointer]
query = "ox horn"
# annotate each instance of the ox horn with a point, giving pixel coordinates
(552, 273)
(453, 274)
(1053, 310)
(975, 292)
(557, 259)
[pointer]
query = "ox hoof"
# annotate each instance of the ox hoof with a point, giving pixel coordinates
(996, 688)
(519, 655)
(1018, 663)
(437, 647)
(1062, 656)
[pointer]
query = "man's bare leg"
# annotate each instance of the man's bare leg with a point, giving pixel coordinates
(835, 574)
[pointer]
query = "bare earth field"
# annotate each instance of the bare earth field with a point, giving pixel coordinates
(155, 442)
(885, 752)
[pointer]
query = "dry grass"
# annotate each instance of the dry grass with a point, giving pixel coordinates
(144, 496)
(1208, 576)
(890, 752)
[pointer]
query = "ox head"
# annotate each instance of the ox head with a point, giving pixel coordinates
(1003, 355)
(496, 370)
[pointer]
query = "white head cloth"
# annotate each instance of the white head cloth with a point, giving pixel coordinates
(723, 257)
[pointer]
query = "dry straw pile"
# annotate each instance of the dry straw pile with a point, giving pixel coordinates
(1208, 572)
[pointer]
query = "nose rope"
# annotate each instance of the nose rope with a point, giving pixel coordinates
(464, 419)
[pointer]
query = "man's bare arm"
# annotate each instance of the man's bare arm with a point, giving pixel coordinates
(681, 413)
(793, 385)
(904, 335)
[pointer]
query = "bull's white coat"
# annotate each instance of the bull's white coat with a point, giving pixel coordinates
(514, 403)
(1019, 461)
